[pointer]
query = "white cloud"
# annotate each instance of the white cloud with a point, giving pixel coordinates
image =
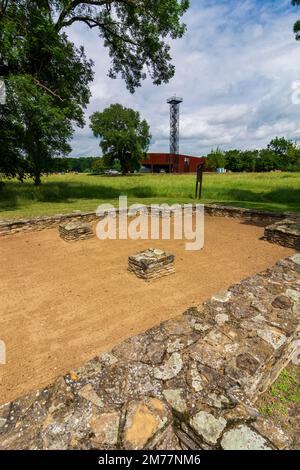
(234, 68)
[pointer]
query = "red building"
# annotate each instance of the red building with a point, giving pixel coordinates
(172, 163)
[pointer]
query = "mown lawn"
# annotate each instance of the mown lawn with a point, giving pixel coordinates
(65, 193)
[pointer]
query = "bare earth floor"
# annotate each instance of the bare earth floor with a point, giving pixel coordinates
(62, 304)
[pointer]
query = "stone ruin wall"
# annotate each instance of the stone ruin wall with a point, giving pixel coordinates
(260, 217)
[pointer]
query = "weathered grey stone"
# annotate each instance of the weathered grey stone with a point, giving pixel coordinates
(222, 296)
(169, 368)
(66, 428)
(108, 358)
(296, 259)
(201, 327)
(194, 378)
(89, 394)
(208, 354)
(4, 411)
(217, 400)
(272, 336)
(175, 400)
(221, 318)
(243, 438)
(2, 423)
(207, 426)
(178, 344)
(296, 309)
(293, 294)
(272, 432)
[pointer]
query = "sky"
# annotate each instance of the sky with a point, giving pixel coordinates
(237, 69)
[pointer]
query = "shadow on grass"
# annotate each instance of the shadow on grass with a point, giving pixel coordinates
(284, 198)
(278, 195)
(13, 194)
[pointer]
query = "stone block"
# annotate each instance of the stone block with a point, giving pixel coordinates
(74, 231)
(151, 264)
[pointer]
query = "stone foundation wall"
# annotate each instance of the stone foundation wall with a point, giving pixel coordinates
(260, 217)
(8, 227)
(189, 383)
(254, 216)
(285, 232)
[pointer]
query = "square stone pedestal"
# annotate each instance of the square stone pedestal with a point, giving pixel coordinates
(151, 264)
(74, 231)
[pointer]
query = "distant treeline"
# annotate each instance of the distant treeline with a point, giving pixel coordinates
(80, 165)
(281, 154)
(96, 165)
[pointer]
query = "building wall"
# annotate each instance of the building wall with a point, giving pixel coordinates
(172, 163)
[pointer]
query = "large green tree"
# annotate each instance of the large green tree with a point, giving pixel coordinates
(124, 136)
(134, 31)
(47, 77)
(215, 159)
(287, 153)
(47, 90)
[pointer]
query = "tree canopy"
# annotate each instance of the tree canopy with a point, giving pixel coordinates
(134, 31)
(124, 136)
(47, 78)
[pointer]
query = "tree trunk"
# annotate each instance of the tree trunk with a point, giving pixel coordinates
(37, 179)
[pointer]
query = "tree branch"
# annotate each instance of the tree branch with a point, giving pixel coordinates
(71, 7)
(93, 23)
(96, 3)
(3, 6)
(47, 89)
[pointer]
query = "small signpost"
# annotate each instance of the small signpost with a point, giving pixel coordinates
(199, 181)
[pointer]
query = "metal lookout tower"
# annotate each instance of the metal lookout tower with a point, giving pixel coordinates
(174, 103)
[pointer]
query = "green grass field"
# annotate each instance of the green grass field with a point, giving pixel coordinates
(65, 193)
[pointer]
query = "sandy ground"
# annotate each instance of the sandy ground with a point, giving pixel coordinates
(62, 304)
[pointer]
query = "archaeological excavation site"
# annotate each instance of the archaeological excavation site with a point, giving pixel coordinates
(142, 345)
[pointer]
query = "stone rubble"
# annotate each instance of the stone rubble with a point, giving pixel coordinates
(189, 383)
(151, 264)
